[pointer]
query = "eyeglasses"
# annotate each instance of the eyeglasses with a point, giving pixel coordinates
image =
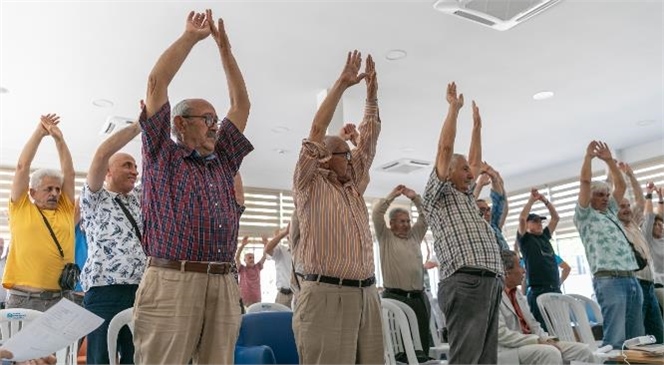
(484, 209)
(210, 119)
(346, 154)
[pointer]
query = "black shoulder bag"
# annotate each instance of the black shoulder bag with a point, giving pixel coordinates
(641, 261)
(71, 271)
(130, 217)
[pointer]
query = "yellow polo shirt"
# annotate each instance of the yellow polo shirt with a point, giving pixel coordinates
(34, 259)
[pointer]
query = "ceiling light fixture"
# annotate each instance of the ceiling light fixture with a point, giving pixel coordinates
(645, 122)
(281, 151)
(102, 103)
(543, 95)
(280, 129)
(396, 54)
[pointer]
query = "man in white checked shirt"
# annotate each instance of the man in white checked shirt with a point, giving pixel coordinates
(470, 288)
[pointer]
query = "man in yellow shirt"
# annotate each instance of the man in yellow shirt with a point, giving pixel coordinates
(41, 223)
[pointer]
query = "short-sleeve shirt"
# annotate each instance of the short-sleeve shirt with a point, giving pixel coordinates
(188, 203)
(115, 254)
(283, 262)
(603, 239)
(250, 283)
(540, 259)
(462, 237)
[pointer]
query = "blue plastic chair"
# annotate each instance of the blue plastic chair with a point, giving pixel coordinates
(254, 355)
(272, 329)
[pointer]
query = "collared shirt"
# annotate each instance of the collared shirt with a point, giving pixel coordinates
(604, 241)
(462, 237)
(188, 203)
(400, 258)
(656, 246)
(335, 239)
(115, 254)
(34, 259)
(497, 207)
(634, 234)
(283, 264)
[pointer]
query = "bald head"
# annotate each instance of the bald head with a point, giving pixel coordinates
(339, 162)
(335, 144)
(122, 173)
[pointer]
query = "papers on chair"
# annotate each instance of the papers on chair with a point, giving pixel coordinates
(654, 349)
(59, 327)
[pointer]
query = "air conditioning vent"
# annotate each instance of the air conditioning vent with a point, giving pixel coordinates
(404, 166)
(497, 14)
(114, 124)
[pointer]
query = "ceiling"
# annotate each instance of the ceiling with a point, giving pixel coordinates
(603, 59)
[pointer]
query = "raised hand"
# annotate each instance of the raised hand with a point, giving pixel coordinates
(484, 179)
(591, 150)
(398, 190)
(371, 79)
(535, 195)
(218, 31)
(650, 187)
(603, 152)
(625, 168)
(197, 25)
(265, 239)
(452, 98)
(49, 123)
(349, 133)
(245, 241)
(409, 193)
(350, 74)
(477, 119)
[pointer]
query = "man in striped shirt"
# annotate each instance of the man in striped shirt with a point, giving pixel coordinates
(337, 318)
(470, 264)
(188, 304)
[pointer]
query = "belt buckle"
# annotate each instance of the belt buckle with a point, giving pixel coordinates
(45, 295)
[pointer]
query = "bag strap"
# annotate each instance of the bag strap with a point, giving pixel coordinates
(129, 216)
(55, 239)
(627, 239)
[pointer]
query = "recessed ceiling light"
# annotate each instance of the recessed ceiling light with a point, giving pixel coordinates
(4, 90)
(396, 54)
(543, 95)
(407, 150)
(281, 151)
(645, 122)
(102, 103)
(280, 129)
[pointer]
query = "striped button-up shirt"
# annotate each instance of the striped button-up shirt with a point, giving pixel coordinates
(189, 207)
(462, 237)
(335, 239)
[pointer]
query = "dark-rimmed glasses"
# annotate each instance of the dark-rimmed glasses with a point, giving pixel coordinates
(209, 119)
(346, 154)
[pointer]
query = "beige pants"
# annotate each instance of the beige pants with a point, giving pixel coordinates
(182, 316)
(338, 324)
(547, 354)
(284, 299)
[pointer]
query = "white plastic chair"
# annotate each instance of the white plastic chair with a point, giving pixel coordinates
(13, 320)
(124, 318)
(436, 325)
(396, 333)
(592, 305)
(267, 307)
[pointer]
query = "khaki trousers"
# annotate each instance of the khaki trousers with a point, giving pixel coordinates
(285, 299)
(338, 324)
(182, 316)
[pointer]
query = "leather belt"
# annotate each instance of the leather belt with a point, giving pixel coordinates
(220, 268)
(285, 291)
(613, 274)
(657, 286)
(404, 293)
(477, 272)
(43, 295)
(342, 282)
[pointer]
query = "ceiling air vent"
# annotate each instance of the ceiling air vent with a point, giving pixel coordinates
(404, 166)
(497, 14)
(114, 124)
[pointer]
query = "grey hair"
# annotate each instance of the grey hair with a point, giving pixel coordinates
(508, 259)
(599, 186)
(395, 211)
(183, 108)
(37, 176)
(455, 159)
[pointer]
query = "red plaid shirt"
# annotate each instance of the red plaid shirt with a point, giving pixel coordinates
(189, 207)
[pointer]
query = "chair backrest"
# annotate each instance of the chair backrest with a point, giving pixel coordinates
(412, 322)
(124, 318)
(273, 329)
(267, 307)
(13, 320)
(396, 333)
(592, 308)
(563, 314)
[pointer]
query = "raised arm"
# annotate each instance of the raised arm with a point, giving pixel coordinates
(238, 112)
(379, 210)
(21, 180)
(349, 133)
(265, 242)
(482, 180)
(421, 226)
(586, 175)
(269, 247)
(349, 76)
(639, 199)
(245, 241)
(171, 60)
(112, 144)
(475, 153)
(448, 132)
(619, 186)
(498, 186)
(66, 163)
(553, 213)
(523, 216)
